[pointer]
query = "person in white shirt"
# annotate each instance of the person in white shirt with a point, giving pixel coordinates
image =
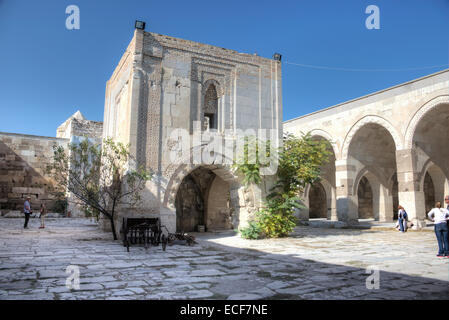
(440, 216)
(27, 211)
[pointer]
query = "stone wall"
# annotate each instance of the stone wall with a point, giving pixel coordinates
(219, 211)
(75, 128)
(23, 159)
(92, 129)
(318, 201)
(78, 126)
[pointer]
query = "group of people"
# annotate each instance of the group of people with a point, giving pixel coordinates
(440, 216)
(28, 212)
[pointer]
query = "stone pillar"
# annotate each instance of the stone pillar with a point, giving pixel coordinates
(168, 219)
(385, 205)
(446, 187)
(303, 213)
(346, 200)
(136, 83)
(333, 211)
(411, 197)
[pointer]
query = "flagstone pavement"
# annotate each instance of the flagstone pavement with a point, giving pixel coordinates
(313, 263)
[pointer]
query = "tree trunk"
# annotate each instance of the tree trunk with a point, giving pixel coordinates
(112, 220)
(114, 233)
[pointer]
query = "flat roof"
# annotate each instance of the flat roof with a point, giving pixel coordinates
(32, 136)
(210, 45)
(371, 95)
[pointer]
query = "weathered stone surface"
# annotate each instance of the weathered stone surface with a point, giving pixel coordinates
(23, 162)
(268, 271)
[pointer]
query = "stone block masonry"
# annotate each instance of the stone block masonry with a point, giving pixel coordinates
(23, 159)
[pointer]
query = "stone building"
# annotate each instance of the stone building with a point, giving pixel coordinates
(163, 85)
(74, 129)
(389, 148)
(23, 162)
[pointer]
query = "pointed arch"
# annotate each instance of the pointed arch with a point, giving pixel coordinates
(368, 120)
(325, 135)
(414, 122)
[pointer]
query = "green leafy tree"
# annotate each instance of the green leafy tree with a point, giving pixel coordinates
(300, 162)
(249, 161)
(99, 176)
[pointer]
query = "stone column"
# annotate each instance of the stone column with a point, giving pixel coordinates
(411, 197)
(446, 187)
(385, 204)
(136, 90)
(333, 213)
(168, 219)
(346, 201)
(303, 213)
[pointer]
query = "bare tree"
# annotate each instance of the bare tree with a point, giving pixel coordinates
(102, 177)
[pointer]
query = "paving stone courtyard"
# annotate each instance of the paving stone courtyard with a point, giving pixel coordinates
(314, 263)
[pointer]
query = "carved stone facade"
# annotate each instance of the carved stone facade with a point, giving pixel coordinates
(163, 84)
(390, 148)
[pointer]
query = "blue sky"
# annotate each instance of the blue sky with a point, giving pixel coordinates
(48, 72)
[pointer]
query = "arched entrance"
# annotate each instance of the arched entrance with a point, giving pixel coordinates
(434, 185)
(317, 201)
(372, 155)
(203, 199)
(429, 142)
(429, 192)
(394, 191)
(321, 196)
(365, 199)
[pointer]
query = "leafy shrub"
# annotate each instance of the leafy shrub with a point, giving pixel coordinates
(252, 231)
(60, 205)
(277, 218)
(300, 162)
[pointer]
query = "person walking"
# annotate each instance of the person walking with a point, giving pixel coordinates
(27, 211)
(43, 212)
(440, 216)
(402, 219)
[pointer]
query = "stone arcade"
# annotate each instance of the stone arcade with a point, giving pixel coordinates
(389, 147)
